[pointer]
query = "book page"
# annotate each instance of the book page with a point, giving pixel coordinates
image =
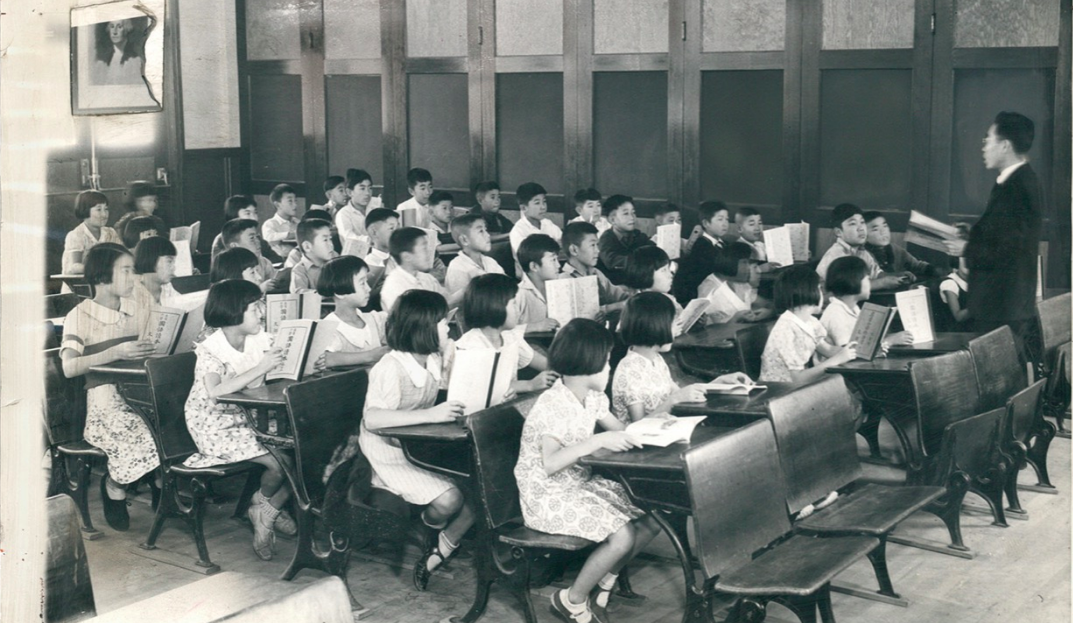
(279, 308)
(358, 247)
(799, 233)
(310, 305)
(923, 222)
(732, 389)
(293, 340)
(663, 432)
(408, 217)
(922, 239)
(481, 377)
(669, 238)
(724, 302)
(780, 249)
(915, 311)
(195, 322)
(871, 327)
(570, 298)
(323, 334)
(163, 329)
(184, 261)
(691, 314)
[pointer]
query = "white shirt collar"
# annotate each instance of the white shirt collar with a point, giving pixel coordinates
(1008, 171)
(852, 310)
(801, 323)
(958, 280)
(433, 366)
(717, 242)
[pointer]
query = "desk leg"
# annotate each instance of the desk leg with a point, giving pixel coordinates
(698, 603)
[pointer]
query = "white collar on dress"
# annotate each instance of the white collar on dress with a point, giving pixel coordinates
(852, 310)
(104, 315)
(417, 372)
(801, 323)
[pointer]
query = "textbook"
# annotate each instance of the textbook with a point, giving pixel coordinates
(408, 217)
(480, 378)
(669, 238)
(731, 389)
(189, 233)
(283, 307)
(914, 307)
(302, 342)
(725, 303)
(799, 233)
(779, 245)
(653, 431)
(433, 243)
(573, 298)
(872, 325)
(184, 259)
(358, 247)
(173, 330)
(692, 313)
(929, 233)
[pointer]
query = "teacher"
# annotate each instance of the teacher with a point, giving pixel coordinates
(1003, 245)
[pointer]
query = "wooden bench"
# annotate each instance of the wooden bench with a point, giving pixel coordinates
(743, 533)
(191, 283)
(68, 586)
(1055, 336)
(1026, 438)
(751, 342)
(999, 375)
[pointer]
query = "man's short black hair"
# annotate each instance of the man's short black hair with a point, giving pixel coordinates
(1017, 129)
(231, 263)
(745, 212)
(416, 176)
(709, 209)
(228, 301)
(581, 348)
(614, 202)
(357, 176)
(843, 212)
(586, 194)
(574, 234)
(440, 195)
(461, 225)
(235, 204)
(647, 320)
(527, 191)
(337, 275)
(797, 286)
(411, 326)
(378, 215)
(281, 189)
(403, 240)
(872, 215)
(148, 251)
(666, 208)
(534, 248)
(486, 299)
(485, 187)
(99, 262)
(308, 228)
(316, 213)
(332, 181)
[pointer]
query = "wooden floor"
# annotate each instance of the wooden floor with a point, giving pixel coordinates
(1020, 573)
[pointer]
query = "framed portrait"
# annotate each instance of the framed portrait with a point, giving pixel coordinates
(117, 58)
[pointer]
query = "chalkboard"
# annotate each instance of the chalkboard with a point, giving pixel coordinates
(354, 125)
(629, 136)
(276, 149)
(529, 130)
(439, 127)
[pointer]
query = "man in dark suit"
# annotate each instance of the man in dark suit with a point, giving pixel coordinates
(1003, 245)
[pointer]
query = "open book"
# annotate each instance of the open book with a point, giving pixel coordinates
(725, 303)
(799, 233)
(189, 233)
(570, 298)
(185, 240)
(692, 313)
(661, 432)
(914, 307)
(731, 389)
(173, 330)
(929, 233)
(481, 377)
(283, 307)
(302, 342)
(433, 243)
(358, 247)
(669, 238)
(872, 325)
(779, 245)
(409, 217)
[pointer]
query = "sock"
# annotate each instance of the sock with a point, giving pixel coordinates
(446, 548)
(114, 489)
(564, 595)
(603, 594)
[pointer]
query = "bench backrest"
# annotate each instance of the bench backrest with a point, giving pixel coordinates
(751, 342)
(65, 402)
(170, 381)
(59, 305)
(69, 589)
(191, 283)
(1022, 409)
(974, 441)
(323, 412)
(814, 430)
(945, 391)
(496, 437)
(1054, 321)
(737, 495)
(999, 372)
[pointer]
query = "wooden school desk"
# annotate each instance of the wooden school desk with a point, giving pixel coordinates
(732, 411)
(131, 381)
(942, 344)
(709, 351)
(440, 448)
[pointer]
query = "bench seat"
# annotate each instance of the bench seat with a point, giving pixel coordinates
(520, 536)
(872, 509)
(80, 448)
(799, 566)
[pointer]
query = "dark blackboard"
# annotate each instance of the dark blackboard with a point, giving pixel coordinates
(741, 156)
(529, 130)
(276, 149)
(439, 127)
(629, 134)
(354, 125)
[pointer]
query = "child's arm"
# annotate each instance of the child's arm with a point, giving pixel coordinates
(951, 299)
(837, 357)
(375, 419)
(558, 458)
(71, 262)
(217, 386)
(75, 364)
(269, 232)
(891, 281)
(541, 381)
(343, 360)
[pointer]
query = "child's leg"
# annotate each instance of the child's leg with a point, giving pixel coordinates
(645, 529)
(608, 557)
(273, 481)
(449, 503)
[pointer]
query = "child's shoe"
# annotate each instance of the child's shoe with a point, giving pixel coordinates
(286, 525)
(571, 613)
(263, 516)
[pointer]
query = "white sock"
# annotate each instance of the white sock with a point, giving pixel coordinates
(114, 489)
(564, 595)
(446, 548)
(605, 586)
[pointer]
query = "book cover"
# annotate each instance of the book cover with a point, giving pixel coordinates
(914, 307)
(691, 314)
(186, 232)
(302, 342)
(669, 238)
(480, 378)
(929, 233)
(725, 303)
(164, 328)
(872, 325)
(779, 246)
(661, 432)
(358, 247)
(184, 259)
(408, 217)
(282, 307)
(192, 326)
(732, 389)
(921, 239)
(573, 298)
(799, 240)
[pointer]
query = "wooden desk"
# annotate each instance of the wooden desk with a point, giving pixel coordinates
(730, 411)
(131, 381)
(440, 448)
(709, 351)
(943, 343)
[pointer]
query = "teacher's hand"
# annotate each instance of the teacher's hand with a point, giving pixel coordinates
(955, 248)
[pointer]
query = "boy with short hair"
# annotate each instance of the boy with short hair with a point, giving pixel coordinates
(488, 203)
(350, 219)
(583, 254)
(419, 183)
(891, 257)
(336, 191)
(669, 214)
(380, 223)
(242, 233)
(587, 205)
(538, 256)
(241, 206)
(709, 255)
(533, 203)
(751, 232)
(409, 249)
(850, 235)
(279, 231)
(617, 243)
(440, 212)
(315, 241)
(471, 233)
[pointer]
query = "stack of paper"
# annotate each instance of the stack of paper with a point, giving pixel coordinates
(779, 245)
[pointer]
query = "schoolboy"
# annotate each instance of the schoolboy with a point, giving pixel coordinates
(669, 214)
(279, 231)
(350, 220)
(709, 255)
(472, 261)
(241, 206)
(488, 203)
(440, 212)
(588, 208)
(538, 256)
(617, 243)
(409, 249)
(751, 232)
(315, 241)
(242, 233)
(850, 235)
(380, 223)
(891, 257)
(419, 183)
(295, 256)
(582, 255)
(533, 203)
(336, 192)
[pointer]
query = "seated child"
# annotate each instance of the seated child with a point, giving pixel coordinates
(154, 265)
(380, 223)
(582, 255)
(471, 233)
(848, 284)
(336, 192)
(643, 385)
(488, 203)
(587, 205)
(670, 214)
(559, 496)
(797, 334)
(533, 203)
(315, 241)
(242, 233)
(234, 358)
(137, 229)
(419, 183)
(709, 255)
(539, 257)
(954, 291)
(850, 235)
(891, 257)
(296, 254)
(236, 263)
(142, 202)
(440, 212)
(350, 218)
(751, 234)
(279, 231)
(361, 336)
(402, 391)
(617, 243)
(236, 207)
(410, 250)
(92, 207)
(99, 331)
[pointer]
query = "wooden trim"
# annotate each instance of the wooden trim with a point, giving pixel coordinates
(920, 102)
(393, 99)
(215, 152)
(631, 62)
(571, 102)
(173, 107)
(866, 59)
(437, 65)
(687, 191)
(487, 69)
(676, 75)
(314, 124)
(718, 61)
(1058, 262)
(293, 68)
(527, 64)
(811, 15)
(352, 67)
(586, 172)
(264, 187)
(473, 90)
(245, 127)
(942, 110)
(1005, 58)
(791, 65)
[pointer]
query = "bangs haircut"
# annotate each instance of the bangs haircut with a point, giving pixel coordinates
(100, 260)
(337, 275)
(440, 195)
(486, 299)
(797, 286)
(86, 200)
(379, 215)
(664, 209)
(332, 181)
(642, 264)
(411, 326)
(844, 212)
(309, 228)
(136, 191)
(647, 320)
(228, 301)
(416, 176)
(527, 191)
(574, 234)
(403, 241)
(534, 248)
(844, 275)
(148, 251)
(614, 202)
(237, 203)
(463, 224)
(581, 348)
(709, 209)
(234, 228)
(281, 189)
(357, 176)
(231, 263)
(1017, 129)
(485, 187)
(135, 227)
(586, 194)
(872, 215)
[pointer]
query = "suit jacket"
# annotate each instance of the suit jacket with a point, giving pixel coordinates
(704, 259)
(1002, 249)
(614, 251)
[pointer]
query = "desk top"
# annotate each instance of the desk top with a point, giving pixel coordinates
(711, 336)
(653, 458)
(447, 432)
(269, 395)
(130, 368)
(879, 366)
(753, 404)
(942, 344)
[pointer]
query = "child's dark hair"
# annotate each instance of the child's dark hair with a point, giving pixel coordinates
(664, 209)
(844, 275)
(357, 176)
(411, 326)
(647, 320)
(1017, 129)
(614, 202)
(332, 181)
(642, 264)
(228, 301)
(317, 213)
(872, 215)
(527, 191)
(234, 228)
(403, 240)
(797, 286)
(231, 264)
(308, 228)
(485, 187)
(844, 212)
(148, 251)
(440, 195)
(586, 194)
(281, 189)
(745, 212)
(462, 225)
(99, 262)
(86, 200)
(486, 299)
(580, 348)
(235, 204)
(416, 176)
(137, 190)
(574, 234)
(709, 209)
(337, 275)
(379, 215)
(533, 249)
(135, 227)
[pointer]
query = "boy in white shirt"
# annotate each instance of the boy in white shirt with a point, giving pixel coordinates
(350, 219)
(589, 210)
(280, 230)
(470, 231)
(419, 183)
(533, 203)
(336, 192)
(410, 250)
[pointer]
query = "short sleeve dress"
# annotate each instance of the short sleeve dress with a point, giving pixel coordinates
(639, 380)
(790, 345)
(571, 501)
(220, 430)
(350, 339)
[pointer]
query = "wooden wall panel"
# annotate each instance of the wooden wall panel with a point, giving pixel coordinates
(352, 29)
(529, 130)
(438, 121)
(733, 26)
(1006, 23)
(435, 28)
(629, 134)
(630, 26)
(528, 27)
(354, 118)
(272, 30)
(209, 59)
(276, 147)
(867, 24)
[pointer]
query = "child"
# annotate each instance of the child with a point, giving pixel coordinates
(92, 207)
(490, 310)
(623, 237)
(234, 358)
(242, 207)
(587, 206)
(848, 284)
(142, 202)
(380, 224)
(710, 255)
(850, 235)
(154, 265)
(315, 240)
(99, 331)
(751, 234)
(361, 336)
(643, 385)
(797, 335)
(419, 183)
(296, 254)
(242, 233)
(539, 257)
(279, 231)
(350, 220)
(137, 229)
(533, 203)
(954, 291)
(488, 203)
(409, 249)
(440, 213)
(891, 257)
(236, 263)
(402, 391)
(471, 233)
(670, 214)
(561, 497)
(336, 192)
(582, 255)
